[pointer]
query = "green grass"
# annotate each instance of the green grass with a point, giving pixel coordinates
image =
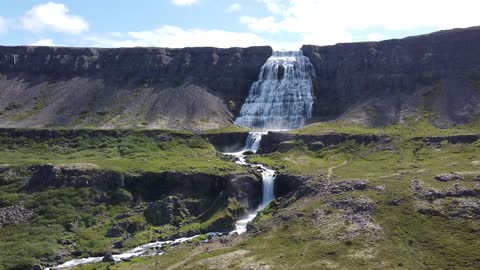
(412, 128)
(131, 152)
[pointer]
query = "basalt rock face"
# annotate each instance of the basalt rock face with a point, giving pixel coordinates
(190, 88)
(273, 140)
(379, 83)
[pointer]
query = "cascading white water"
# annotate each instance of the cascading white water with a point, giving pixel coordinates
(268, 177)
(282, 96)
(280, 99)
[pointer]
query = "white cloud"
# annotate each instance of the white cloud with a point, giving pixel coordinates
(326, 22)
(261, 25)
(176, 37)
(53, 17)
(184, 2)
(3, 24)
(43, 42)
(376, 37)
(234, 7)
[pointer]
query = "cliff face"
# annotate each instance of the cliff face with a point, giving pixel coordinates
(377, 83)
(190, 88)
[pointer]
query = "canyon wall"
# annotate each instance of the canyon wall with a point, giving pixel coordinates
(190, 88)
(377, 83)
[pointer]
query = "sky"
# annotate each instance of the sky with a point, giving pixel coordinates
(282, 24)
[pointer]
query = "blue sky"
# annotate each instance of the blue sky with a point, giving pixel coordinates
(227, 23)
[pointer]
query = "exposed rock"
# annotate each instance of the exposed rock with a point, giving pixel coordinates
(272, 141)
(380, 83)
(170, 210)
(246, 189)
(362, 204)
(447, 177)
(286, 183)
(121, 228)
(119, 245)
(73, 175)
(348, 185)
(115, 231)
(165, 88)
(316, 146)
(108, 258)
(37, 267)
(227, 142)
(15, 214)
(284, 147)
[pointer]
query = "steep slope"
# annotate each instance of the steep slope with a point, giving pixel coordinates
(190, 88)
(436, 76)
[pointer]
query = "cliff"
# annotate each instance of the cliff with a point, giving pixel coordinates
(190, 88)
(436, 76)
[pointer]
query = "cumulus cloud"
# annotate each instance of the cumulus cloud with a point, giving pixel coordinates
(184, 2)
(234, 7)
(315, 20)
(43, 42)
(3, 24)
(176, 37)
(53, 17)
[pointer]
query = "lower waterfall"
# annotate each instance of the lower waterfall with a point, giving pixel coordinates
(268, 179)
(280, 99)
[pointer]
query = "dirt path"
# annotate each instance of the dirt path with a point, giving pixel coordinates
(330, 170)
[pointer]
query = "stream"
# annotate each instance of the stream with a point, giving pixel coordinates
(156, 248)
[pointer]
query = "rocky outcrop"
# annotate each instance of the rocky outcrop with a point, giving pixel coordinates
(74, 175)
(378, 83)
(170, 210)
(15, 214)
(454, 139)
(190, 88)
(273, 140)
(439, 202)
(227, 142)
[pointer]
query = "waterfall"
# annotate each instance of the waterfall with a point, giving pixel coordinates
(268, 179)
(282, 96)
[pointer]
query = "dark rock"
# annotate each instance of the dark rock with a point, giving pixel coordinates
(115, 231)
(119, 245)
(316, 146)
(284, 147)
(108, 258)
(362, 204)
(395, 202)
(77, 253)
(248, 153)
(246, 189)
(227, 142)
(272, 141)
(448, 177)
(185, 85)
(73, 176)
(379, 83)
(286, 183)
(360, 185)
(170, 210)
(15, 214)
(37, 267)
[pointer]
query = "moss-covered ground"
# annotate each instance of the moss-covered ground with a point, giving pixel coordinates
(129, 152)
(304, 232)
(290, 234)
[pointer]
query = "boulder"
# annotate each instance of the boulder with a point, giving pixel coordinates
(447, 177)
(170, 210)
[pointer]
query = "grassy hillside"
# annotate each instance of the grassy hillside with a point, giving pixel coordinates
(403, 218)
